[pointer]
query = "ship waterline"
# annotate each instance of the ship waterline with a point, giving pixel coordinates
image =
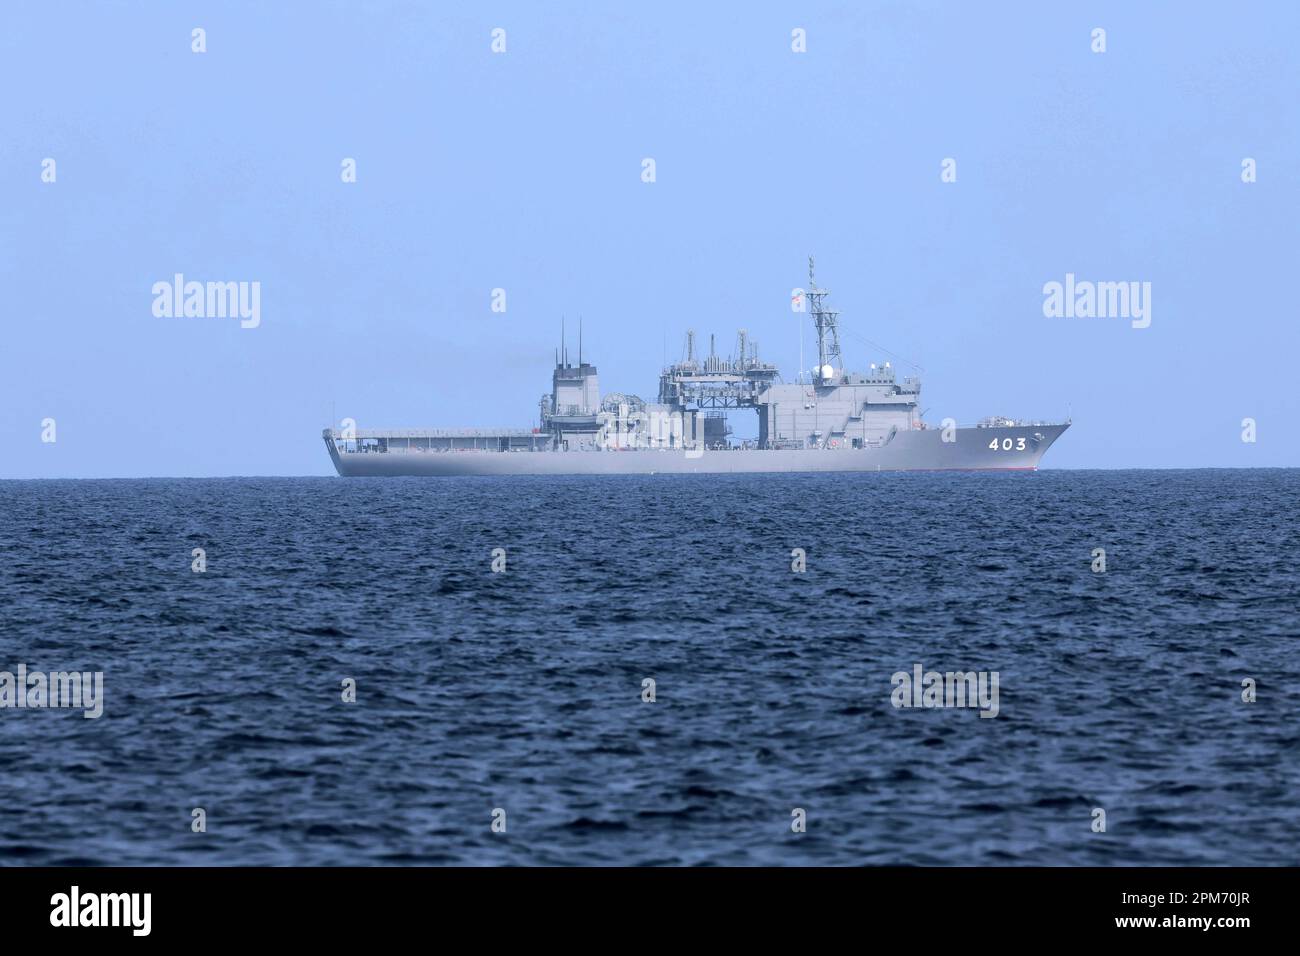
(829, 420)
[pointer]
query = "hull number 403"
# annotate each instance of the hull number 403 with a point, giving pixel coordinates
(1008, 444)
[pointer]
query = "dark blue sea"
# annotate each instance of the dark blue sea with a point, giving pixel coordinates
(522, 690)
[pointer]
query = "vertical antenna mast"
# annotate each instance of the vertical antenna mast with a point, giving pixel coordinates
(826, 320)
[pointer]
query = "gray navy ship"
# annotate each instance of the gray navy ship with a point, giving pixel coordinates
(834, 421)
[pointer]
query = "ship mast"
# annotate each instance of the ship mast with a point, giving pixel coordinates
(828, 332)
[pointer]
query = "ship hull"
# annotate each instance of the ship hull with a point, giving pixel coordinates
(1000, 448)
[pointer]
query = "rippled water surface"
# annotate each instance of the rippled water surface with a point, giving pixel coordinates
(522, 690)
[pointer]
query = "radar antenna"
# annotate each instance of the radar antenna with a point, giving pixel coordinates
(827, 322)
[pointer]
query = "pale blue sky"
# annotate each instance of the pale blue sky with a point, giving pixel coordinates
(523, 171)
